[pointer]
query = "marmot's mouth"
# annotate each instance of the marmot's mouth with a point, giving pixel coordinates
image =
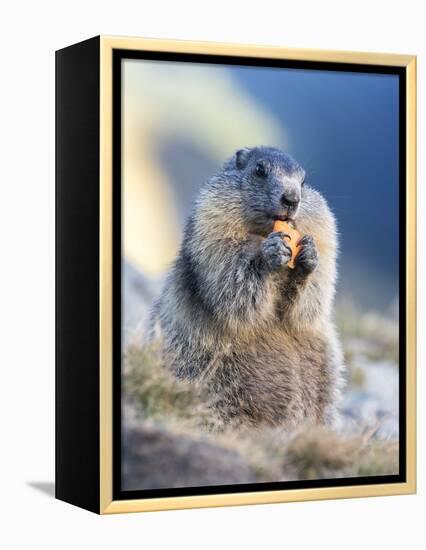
(285, 218)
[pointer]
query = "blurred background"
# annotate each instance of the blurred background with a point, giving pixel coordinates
(181, 121)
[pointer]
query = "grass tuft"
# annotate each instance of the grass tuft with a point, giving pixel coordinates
(156, 391)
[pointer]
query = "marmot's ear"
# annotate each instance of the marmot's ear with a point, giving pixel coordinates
(241, 158)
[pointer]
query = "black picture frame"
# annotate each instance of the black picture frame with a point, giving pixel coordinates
(78, 272)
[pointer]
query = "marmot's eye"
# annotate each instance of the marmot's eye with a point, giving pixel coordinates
(261, 170)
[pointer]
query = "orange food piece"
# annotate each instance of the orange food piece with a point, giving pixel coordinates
(292, 240)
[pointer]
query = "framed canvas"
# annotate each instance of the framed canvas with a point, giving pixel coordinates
(235, 274)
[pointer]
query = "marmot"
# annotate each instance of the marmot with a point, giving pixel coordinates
(233, 317)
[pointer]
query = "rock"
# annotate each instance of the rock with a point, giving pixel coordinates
(139, 294)
(154, 458)
(376, 403)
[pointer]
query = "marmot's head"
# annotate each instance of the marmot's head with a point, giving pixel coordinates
(256, 187)
(271, 184)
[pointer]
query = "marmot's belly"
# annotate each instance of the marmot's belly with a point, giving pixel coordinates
(274, 380)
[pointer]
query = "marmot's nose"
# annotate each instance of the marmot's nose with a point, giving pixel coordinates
(289, 201)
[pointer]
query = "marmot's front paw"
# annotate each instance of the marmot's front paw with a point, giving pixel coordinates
(307, 259)
(275, 251)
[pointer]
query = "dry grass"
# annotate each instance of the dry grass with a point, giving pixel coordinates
(379, 458)
(159, 395)
(375, 336)
(273, 454)
(317, 452)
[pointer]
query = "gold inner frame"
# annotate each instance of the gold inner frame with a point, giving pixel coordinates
(107, 504)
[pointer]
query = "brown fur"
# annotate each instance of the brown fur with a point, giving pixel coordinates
(260, 339)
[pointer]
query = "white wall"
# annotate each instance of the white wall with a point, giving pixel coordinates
(30, 32)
